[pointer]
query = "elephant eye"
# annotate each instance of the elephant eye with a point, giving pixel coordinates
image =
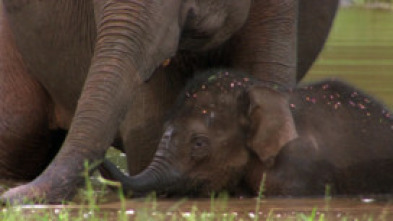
(199, 147)
(200, 141)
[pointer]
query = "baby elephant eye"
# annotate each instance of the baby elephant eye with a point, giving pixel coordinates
(200, 147)
(199, 142)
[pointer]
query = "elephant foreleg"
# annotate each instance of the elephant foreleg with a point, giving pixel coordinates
(266, 45)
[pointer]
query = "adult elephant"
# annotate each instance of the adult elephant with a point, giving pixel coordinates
(84, 66)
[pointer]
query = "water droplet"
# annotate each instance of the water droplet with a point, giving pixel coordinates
(361, 106)
(368, 200)
(251, 215)
(232, 84)
(187, 214)
(130, 212)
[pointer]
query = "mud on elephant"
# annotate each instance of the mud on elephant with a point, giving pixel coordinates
(93, 68)
(224, 134)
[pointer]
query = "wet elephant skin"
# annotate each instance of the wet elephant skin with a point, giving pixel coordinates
(219, 137)
(94, 68)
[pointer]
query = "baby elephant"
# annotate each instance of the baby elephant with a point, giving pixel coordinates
(223, 135)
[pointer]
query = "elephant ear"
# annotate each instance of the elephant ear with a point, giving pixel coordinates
(271, 123)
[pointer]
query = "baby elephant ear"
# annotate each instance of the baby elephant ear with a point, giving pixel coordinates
(272, 124)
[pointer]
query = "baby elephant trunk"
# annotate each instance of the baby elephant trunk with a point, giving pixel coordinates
(158, 176)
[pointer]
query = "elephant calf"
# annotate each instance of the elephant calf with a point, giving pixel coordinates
(217, 139)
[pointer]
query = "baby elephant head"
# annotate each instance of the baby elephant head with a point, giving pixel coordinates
(220, 120)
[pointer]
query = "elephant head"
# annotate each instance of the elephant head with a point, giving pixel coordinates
(216, 125)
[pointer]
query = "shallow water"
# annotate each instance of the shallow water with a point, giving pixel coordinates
(359, 50)
(227, 209)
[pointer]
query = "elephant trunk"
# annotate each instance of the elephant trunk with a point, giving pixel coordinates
(126, 51)
(158, 176)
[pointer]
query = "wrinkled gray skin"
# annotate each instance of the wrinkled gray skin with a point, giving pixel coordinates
(215, 140)
(88, 66)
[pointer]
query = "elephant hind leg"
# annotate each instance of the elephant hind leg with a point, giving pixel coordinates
(24, 110)
(24, 129)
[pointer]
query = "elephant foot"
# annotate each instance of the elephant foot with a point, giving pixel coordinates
(38, 193)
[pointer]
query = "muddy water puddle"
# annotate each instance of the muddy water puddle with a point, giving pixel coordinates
(229, 209)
